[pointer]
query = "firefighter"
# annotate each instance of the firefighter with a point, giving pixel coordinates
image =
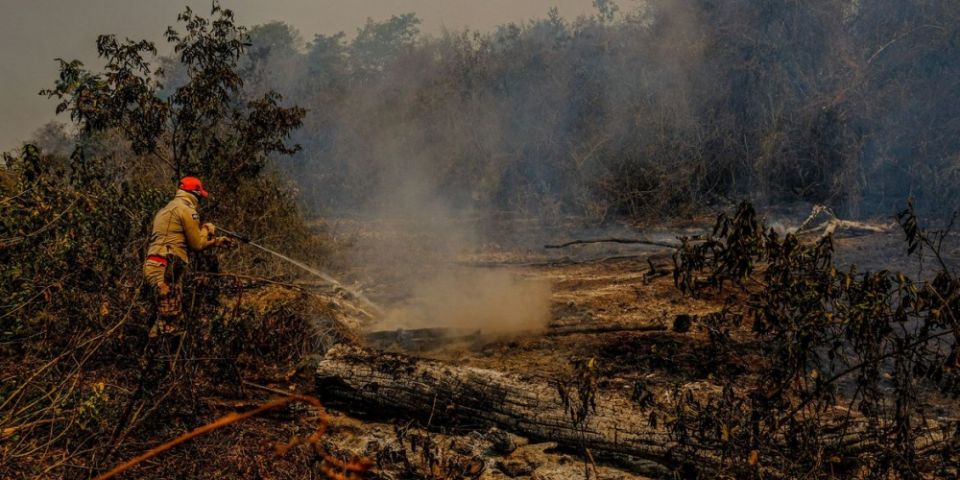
(176, 228)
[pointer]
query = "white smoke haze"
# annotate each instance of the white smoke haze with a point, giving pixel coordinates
(416, 249)
(492, 302)
(34, 32)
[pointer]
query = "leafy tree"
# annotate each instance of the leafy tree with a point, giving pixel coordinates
(204, 127)
(379, 43)
(272, 39)
(273, 54)
(606, 10)
(327, 60)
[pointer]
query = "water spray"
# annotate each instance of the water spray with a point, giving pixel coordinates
(376, 310)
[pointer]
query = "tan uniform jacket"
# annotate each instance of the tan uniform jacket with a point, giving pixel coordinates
(176, 227)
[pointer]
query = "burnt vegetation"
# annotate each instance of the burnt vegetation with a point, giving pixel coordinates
(83, 388)
(655, 111)
(855, 373)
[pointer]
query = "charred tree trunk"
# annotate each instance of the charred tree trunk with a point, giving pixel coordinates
(604, 423)
(445, 393)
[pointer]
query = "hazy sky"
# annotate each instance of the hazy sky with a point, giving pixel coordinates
(34, 32)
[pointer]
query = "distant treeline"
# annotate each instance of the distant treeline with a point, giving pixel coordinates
(655, 110)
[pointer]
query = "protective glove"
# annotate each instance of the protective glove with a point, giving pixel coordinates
(225, 242)
(210, 228)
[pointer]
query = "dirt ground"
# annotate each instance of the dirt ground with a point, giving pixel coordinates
(614, 304)
(603, 300)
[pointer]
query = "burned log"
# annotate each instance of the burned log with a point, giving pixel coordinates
(419, 339)
(603, 423)
(440, 392)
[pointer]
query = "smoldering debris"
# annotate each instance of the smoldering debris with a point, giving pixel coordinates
(466, 300)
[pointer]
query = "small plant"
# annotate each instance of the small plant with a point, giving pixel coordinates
(578, 394)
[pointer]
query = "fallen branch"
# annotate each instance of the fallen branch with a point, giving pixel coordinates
(834, 223)
(8, 431)
(626, 241)
(349, 469)
(579, 329)
(831, 226)
(425, 338)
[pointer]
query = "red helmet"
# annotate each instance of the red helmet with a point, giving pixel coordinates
(193, 185)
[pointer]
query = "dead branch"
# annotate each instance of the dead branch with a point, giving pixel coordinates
(626, 241)
(351, 469)
(573, 330)
(834, 223)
